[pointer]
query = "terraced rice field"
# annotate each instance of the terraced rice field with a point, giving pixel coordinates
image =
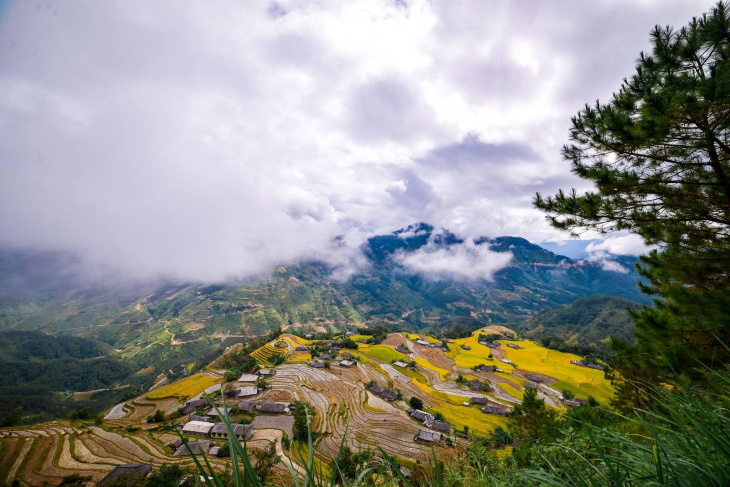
(187, 387)
(263, 355)
(54, 450)
(586, 382)
(423, 362)
(340, 399)
(382, 352)
(469, 358)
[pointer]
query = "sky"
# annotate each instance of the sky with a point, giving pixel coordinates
(216, 139)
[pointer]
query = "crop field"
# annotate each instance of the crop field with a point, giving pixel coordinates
(427, 365)
(53, 450)
(264, 354)
(469, 358)
(587, 382)
(294, 340)
(382, 352)
(49, 451)
(187, 387)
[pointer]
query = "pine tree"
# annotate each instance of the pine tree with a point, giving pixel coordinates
(659, 156)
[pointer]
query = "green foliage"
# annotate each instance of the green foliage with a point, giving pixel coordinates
(303, 415)
(11, 419)
(532, 422)
(501, 437)
(415, 403)
(158, 417)
(264, 460)
(74, 480)
(584, 322)
(659, 156)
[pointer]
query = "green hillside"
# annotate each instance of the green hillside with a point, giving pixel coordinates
(586, 321)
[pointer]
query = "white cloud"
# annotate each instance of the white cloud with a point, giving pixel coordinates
(613, 266)
(465, 261)
(620, 245)
(221, 139)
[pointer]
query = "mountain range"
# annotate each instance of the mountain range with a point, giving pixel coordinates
(169, 328)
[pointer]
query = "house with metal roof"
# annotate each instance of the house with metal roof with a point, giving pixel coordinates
(347, 363)
(247, 391)
(219, 430)
(267, 372)
(197, 428)
(478, 400)
(248, 378)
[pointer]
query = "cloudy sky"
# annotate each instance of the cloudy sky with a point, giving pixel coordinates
(217, 138)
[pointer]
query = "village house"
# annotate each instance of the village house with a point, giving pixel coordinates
(385, 394)
(335, 350)
(400, 364)
(475, 385)
(301, 348)
(478, 400)
(248, 378)
(346, 355)
(138, 470)
(317, 365)
(466, 347)
(421, 416)
(441, 426)
(326, 357)
(198, 447)
(350, 333)
(505, 360)
(499, 411)
(400, 348)
(200, 418)
(594, 366)
(494, 344)
(211, 411)
(486, 368)
(267, 372)
(347, 363)
(246, 406)
(219, 430)
(428, 436)
(271, 408)
(572, 403)
(362, 340)
(192, 406)
(514, 345)
(201, 428)
(422, 342)
(578, 363)
(531, 385)
(246, 391)
(534, 378)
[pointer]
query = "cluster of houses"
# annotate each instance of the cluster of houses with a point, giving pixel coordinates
(486, 368)
(346, 359)
(491, 344)
(438, 428)
(426, 343)
(579, 363)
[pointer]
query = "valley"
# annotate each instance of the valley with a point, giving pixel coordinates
(360, 396)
